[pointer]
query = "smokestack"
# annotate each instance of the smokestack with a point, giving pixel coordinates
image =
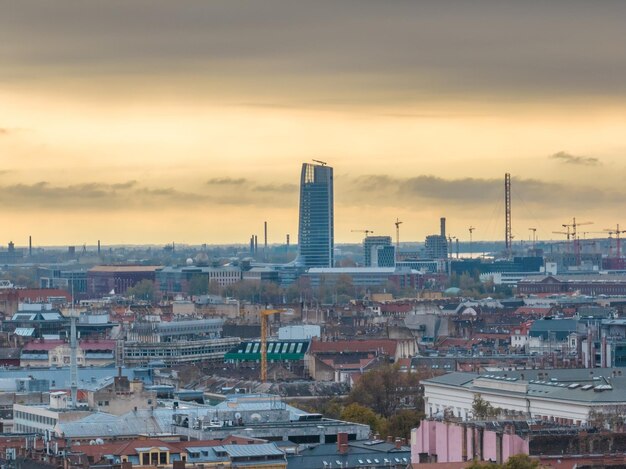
(287, 241)
(252, 245)
(98, 247)
(443, 226)
(256, 245)
(265, 240)
(342, 442)
(30, 246)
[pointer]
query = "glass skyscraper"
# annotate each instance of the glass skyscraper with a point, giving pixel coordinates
(316, 232)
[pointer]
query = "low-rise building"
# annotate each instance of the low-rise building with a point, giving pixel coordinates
(568, 396)
(179, 280)
(104, 279)
(57, 353)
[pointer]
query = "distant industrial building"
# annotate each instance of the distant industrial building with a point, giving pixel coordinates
(104, 279)
(316, 224)
(11, 255)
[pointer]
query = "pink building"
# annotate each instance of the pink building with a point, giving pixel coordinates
(437, 441)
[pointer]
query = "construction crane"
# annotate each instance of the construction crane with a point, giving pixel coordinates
(617, 233)
(367, 232)
(471, 231)
(534, 230)
(265, 314)
(573, 226)
(450, 238)
(573, 234)
(323, 163)
(398, 223)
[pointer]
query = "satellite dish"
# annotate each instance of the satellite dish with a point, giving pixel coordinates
(99, 441)
(237, 415)
(92, 443)
(256, 417)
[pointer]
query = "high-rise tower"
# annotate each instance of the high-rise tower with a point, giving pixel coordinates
(316, 232)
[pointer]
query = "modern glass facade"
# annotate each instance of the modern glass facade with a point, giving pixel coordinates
(374, 242)
(316, 233)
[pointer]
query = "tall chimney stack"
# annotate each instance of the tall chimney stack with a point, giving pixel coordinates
(265, 241)
(443, 226)
(30, 246)
(287, 241)
(98, 247)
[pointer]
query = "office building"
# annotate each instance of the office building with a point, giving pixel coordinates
(316, 225)
(104, 279)
(371, 244)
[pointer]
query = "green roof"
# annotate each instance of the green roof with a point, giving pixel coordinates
(277, 350)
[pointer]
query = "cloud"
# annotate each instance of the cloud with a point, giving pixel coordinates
(280, 188)
(568, 158)
(474, 194)
(131, 195)
(324, 51)
(4, 131)
(90, 196)
(227, 181)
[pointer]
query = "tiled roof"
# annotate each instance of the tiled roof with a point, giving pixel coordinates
(387, 346)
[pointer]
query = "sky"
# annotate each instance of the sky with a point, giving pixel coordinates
(152, 121)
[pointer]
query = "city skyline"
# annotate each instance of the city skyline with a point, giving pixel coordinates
(148, 122)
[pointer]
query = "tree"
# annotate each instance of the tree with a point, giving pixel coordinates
(482, 409)
(361, 414)
(215, 288)
(385, 389)
(198, 285)
(401, 424)
(143, 290)
(519, 461)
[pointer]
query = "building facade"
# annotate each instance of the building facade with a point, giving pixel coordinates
(180, 280)
(372, 243)
(316, 232)
(104, 279)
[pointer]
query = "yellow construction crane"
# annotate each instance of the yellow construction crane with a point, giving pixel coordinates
(265, 314)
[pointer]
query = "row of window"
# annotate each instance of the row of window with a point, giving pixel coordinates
(162, 352)
(34, 418)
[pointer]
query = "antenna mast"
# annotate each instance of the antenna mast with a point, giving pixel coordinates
(73, 355)
(507, 214)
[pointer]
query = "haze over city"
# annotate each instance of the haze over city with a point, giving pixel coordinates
(151, 122)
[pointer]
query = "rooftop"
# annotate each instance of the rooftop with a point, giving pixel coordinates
(125, 268)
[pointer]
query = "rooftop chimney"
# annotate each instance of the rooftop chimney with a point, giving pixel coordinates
(398, 443)
(342, 442)
(443, 226)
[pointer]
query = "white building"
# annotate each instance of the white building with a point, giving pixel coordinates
(562, 395)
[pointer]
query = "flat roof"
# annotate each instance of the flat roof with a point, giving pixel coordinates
(125, 268)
